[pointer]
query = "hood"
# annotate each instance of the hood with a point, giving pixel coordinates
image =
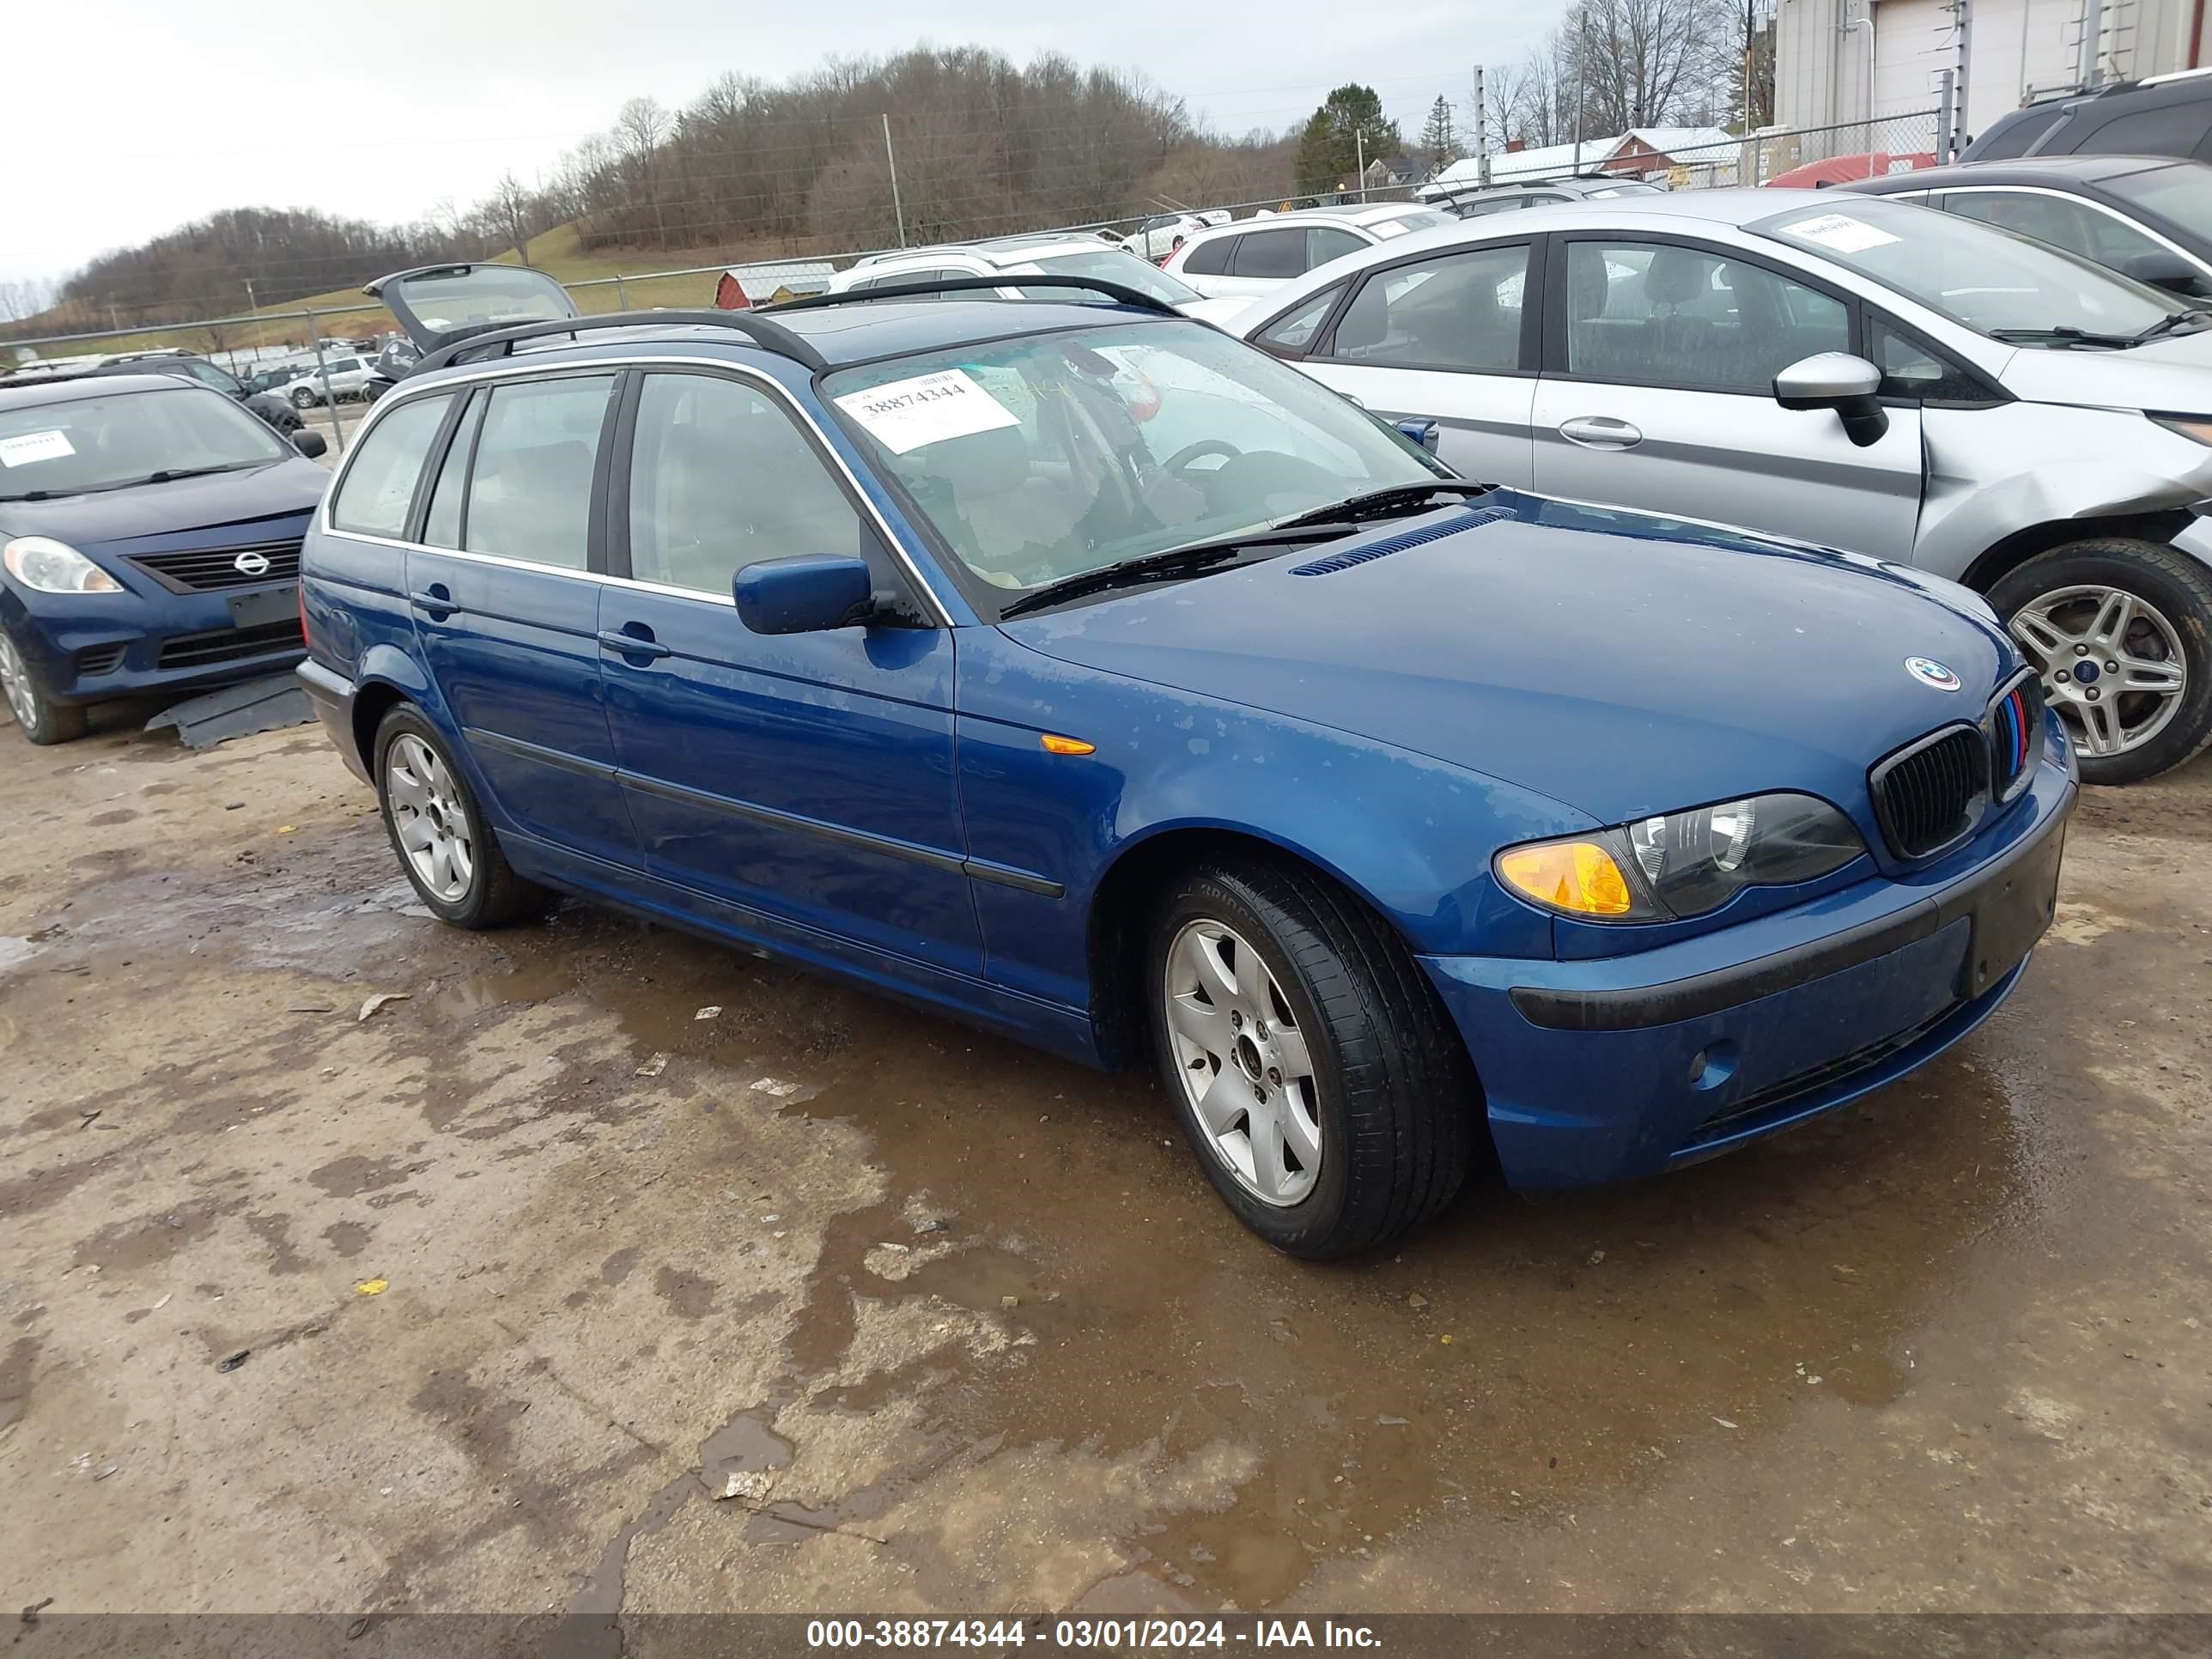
(282, 489)
(1621, 665)
(1222, 312)
(2173, 376)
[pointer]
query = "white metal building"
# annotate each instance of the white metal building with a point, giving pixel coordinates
(1857, 60)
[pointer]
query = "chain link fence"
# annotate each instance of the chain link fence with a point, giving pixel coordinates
(1823, 155)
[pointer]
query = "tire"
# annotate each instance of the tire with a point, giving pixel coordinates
(43, 720)
(302, 398)
(1388, 1100)
(488, 894)
(2055, 606)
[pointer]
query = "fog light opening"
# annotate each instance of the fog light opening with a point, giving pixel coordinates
(1712, 1065)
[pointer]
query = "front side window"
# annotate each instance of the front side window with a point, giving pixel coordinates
(378, 488)
(720, 478)
(1459, 310)
(529, 492)
(1644, 314)
(1327, 242)
(125, 438)
(2061, 220)
(1988, 280)
(1911, 371)
(1053, 455)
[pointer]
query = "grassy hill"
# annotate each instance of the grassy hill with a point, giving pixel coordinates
(556, 253)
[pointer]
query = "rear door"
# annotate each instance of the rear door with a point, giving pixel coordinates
(1447, 336)
(506, 604)
(1657, 394)
(807, 777)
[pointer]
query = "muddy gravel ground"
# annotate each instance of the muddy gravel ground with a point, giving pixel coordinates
(544, 1289)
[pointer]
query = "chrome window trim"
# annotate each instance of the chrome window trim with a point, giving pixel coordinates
(507, 369)
(1945, 192)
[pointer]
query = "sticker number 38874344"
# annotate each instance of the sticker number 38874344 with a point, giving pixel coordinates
(927, 409)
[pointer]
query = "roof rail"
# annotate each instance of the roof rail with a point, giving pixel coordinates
(771, 337)
(1120, 292)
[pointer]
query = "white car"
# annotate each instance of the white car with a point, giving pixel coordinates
(1035, 256)
(1252, 257)
(1163, 233)
(344, 376)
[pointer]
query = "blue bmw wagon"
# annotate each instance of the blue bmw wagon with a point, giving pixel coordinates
(149, 542)
(1076, 670)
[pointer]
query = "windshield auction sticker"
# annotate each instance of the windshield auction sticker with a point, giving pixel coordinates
(1839, 232)
(34, 446)
(928, 409)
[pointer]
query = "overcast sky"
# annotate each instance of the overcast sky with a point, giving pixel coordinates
(378, 111)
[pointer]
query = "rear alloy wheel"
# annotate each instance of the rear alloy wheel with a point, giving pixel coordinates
(2121, 631)
(1315, 1074)
(451, 855)
(43, 719)
(302, 398)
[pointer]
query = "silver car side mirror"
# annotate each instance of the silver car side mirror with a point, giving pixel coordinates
(1836, 379)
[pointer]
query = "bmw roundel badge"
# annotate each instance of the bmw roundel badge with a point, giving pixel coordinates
(1931, 673)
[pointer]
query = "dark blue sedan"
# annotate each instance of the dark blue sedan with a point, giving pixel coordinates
(1074, 669)
(149, 535)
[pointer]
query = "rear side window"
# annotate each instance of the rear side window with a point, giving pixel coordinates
(2175, 130)
(1453, 311)
(378, 488)
(529, 491)
(1327, 242)
(720, 478)
(1270, 253)
(442, 527)
(1210, 258)
(2010, 138)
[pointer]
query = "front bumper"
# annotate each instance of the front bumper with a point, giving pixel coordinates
(1606, 1070)
(127, 645)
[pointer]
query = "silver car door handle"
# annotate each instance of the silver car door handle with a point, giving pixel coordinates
(1599, 432)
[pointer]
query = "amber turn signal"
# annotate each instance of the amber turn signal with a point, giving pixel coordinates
(1056, 745)
(1577, 876)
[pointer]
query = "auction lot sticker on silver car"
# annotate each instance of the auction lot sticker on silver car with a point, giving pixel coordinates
(1839, 232)
(927, 409)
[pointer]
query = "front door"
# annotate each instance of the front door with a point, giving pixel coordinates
(806, 777)
(1442, 337)
(506, 608)
(1658, 394)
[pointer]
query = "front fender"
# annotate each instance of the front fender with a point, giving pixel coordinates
(1413, 835)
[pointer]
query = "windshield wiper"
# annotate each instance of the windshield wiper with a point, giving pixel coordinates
(2171, 321)
(41, 495)
(1386, 502)
(171, 474)
(2064, 334)
(1174, 561)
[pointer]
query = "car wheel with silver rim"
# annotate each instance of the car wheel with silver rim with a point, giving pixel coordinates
(1327, 1097)
(302, 397)
(2121, 631)
(43, 719)
(451, 855)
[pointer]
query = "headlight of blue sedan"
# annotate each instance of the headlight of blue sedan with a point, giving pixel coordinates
(1679, 865)
(52, 567)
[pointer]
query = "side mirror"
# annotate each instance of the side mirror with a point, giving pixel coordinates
(1837, 380)
(1421, 432)
(808, 594)
(310, 444)
(2161, 269)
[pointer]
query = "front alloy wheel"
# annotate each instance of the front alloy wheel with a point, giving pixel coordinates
(1316, 1072)
(303, 398)
(2121, 632)
(43, 719)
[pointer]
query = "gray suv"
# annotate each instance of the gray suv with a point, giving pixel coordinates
(1855, 372)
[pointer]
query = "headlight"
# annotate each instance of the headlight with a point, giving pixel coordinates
(2198, 427)
(53, 567)
(1682, 863)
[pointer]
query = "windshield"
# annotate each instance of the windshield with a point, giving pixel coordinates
(1039, 458)
(1974, 273)
(126, 437)
(2182, 194)
(1112, 265)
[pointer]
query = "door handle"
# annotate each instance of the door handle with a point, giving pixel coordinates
(641, 644)
(1599, 432)
(437, 598)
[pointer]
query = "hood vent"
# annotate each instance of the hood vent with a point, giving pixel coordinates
(1398, 544)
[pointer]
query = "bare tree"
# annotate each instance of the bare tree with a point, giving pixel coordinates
(509, 209)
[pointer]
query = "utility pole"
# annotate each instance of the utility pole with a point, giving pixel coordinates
(1750, 23)
(1581, 76)
(1359, 148)
(251, 307)
(1481, 132)
(890, 160)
